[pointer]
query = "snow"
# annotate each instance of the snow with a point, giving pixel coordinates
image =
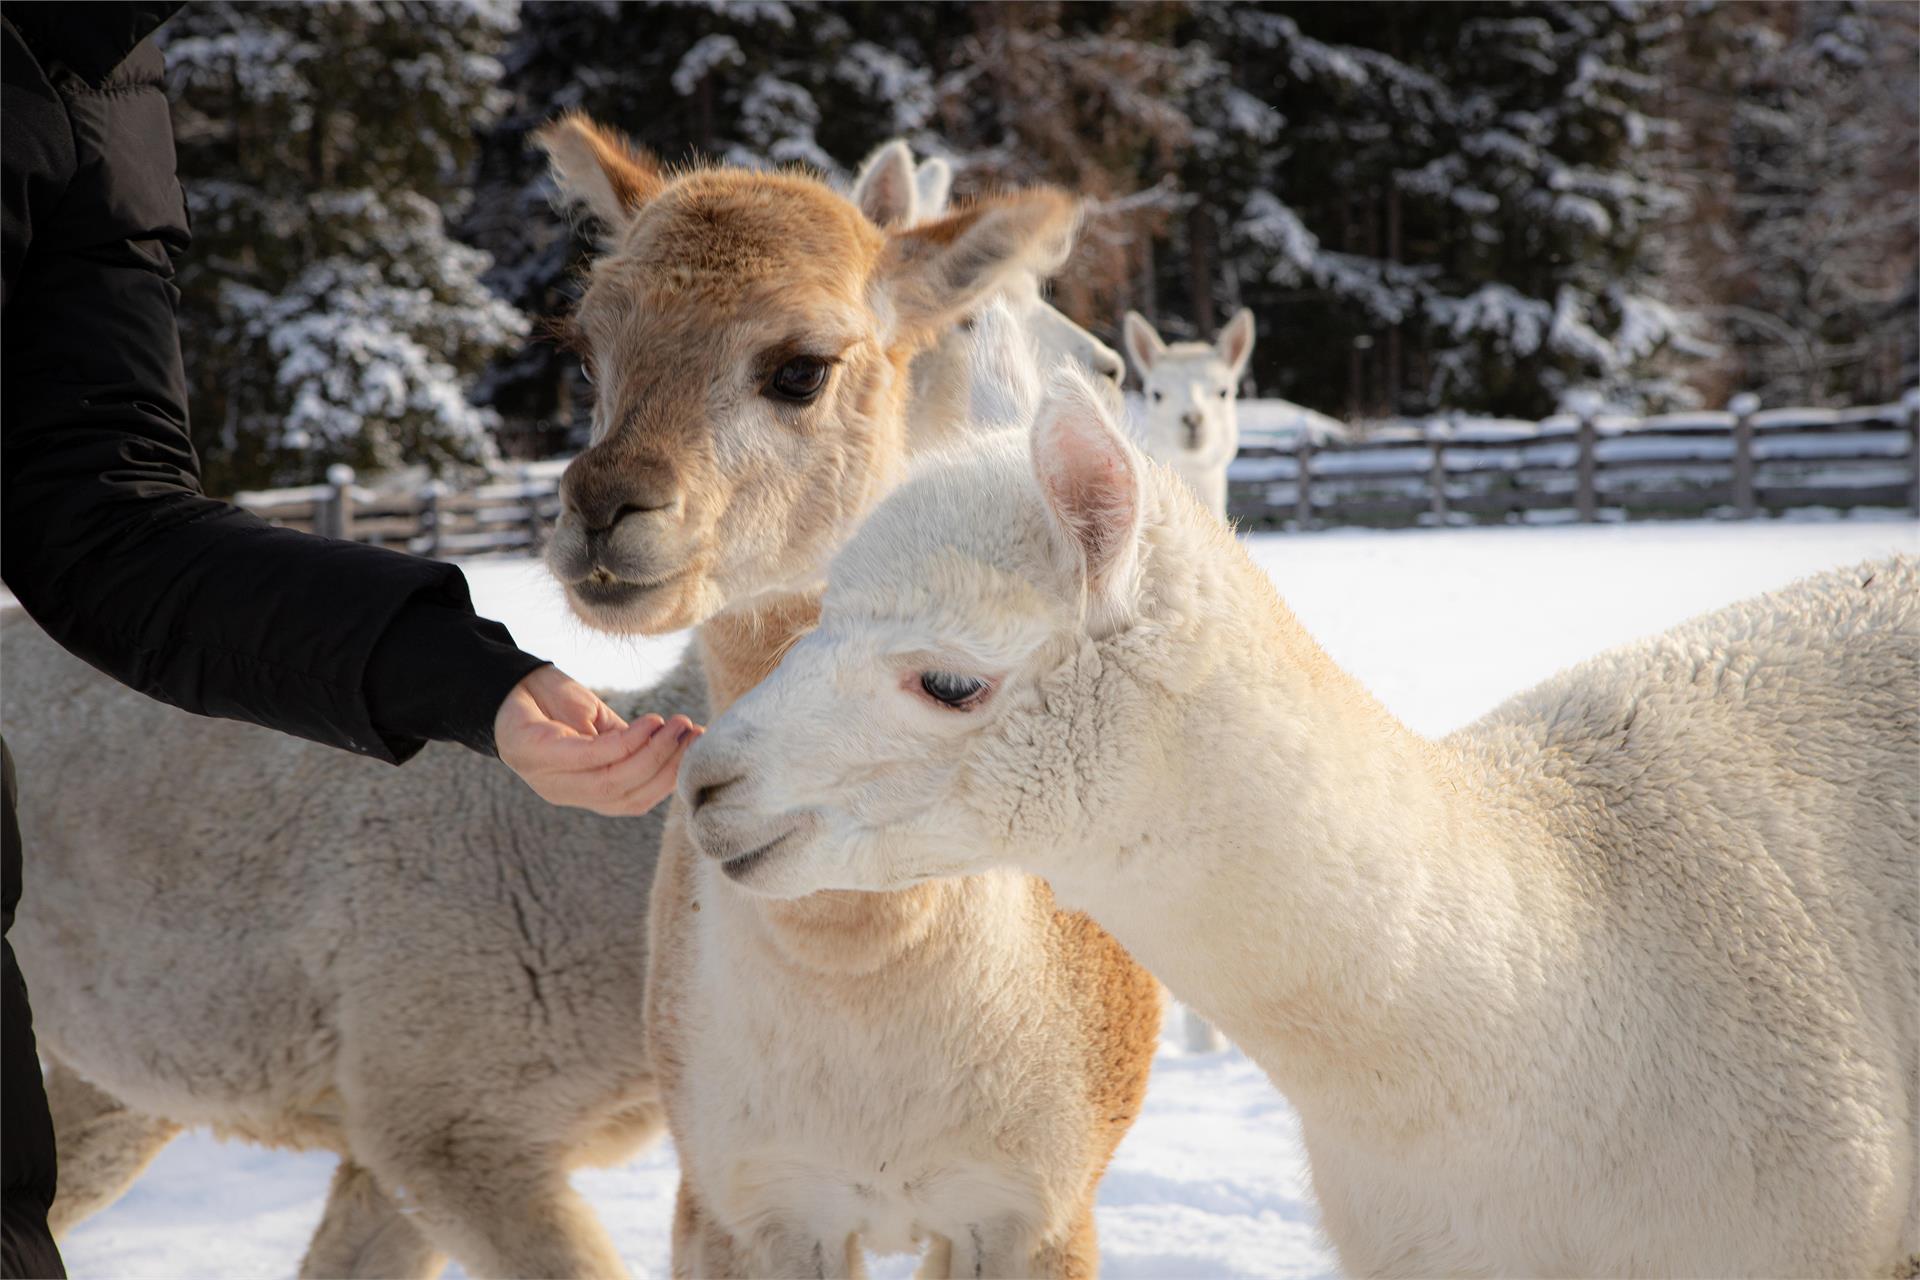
(708, 53)
(360, 345)
(1440, 624)
(1495, 308)
(525, 596)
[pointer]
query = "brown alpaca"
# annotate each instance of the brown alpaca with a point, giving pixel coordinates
(948, 1067)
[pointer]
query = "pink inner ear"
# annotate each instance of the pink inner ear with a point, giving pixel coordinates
(1098, 507)
(1237, 338)
(888, 195)
(1089, 482)
(1143, 344)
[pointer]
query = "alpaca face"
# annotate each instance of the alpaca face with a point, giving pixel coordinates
(1056, 339)
(748, 336)
(957, 703)
(1190, 388)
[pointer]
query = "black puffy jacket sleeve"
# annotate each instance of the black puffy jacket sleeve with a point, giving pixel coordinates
(105, 535)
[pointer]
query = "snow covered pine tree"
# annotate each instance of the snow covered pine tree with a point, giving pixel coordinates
(326, 315)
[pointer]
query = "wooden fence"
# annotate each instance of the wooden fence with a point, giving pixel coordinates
(511, 513)
(1738, 463)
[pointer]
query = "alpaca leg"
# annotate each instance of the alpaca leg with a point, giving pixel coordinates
(797, 1252)
(497, 1202)
(364, 1233)
(937, 1262)
(1077, 1257)
(102, 1146)
(703, 1248)
(1006, 1247)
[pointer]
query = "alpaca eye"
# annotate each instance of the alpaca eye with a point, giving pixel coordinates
(798, 380)
(948, 689)
(1157, 397)
(1223, 393)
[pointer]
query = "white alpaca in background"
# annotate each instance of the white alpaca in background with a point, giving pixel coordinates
(1622, 979)
(1191, 423)
(892, 189)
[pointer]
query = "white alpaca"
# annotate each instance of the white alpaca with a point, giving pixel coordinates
(892, 189)
(429, 970)
(1191, 389)
(1623, 979)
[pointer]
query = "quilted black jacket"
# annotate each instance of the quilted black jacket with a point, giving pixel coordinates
(105, 535)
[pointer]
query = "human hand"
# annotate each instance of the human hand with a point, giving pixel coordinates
(572, 748)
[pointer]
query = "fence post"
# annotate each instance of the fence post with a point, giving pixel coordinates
(1743, 407)
(1303, 455)
(429, 534)
(339, 514)
(1438, 432)
(527, 495)
(1911, 403)
(1586, 492)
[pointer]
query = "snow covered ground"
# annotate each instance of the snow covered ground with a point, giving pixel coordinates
(1440, 624)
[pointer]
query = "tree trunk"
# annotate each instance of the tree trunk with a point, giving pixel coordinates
(1393, 331)
(1200, 269)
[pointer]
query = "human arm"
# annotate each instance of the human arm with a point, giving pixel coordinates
(107, 538)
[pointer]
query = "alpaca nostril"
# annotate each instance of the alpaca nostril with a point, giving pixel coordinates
(599, 525)
(708, 792)
(599, 493)
(638, 509)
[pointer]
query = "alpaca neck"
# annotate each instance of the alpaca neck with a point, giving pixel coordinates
(1337, 894)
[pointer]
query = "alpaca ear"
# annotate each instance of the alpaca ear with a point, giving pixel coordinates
(1142, 342)
(938, 272)
(1090, 478)
(885, 189)
(1235, 342)
(598, 168)
(934, 181)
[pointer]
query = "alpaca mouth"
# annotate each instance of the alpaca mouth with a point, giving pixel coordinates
(1193, 439)
(602, 590)
(737, 869)
(748, 867)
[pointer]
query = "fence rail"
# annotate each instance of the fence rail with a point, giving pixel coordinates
(509, 514)
(1742, 462)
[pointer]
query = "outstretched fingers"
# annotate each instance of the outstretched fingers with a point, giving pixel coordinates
(663, 752)
(573, 749)
(622, 774)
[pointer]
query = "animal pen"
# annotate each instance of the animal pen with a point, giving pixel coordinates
(1741, 462)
